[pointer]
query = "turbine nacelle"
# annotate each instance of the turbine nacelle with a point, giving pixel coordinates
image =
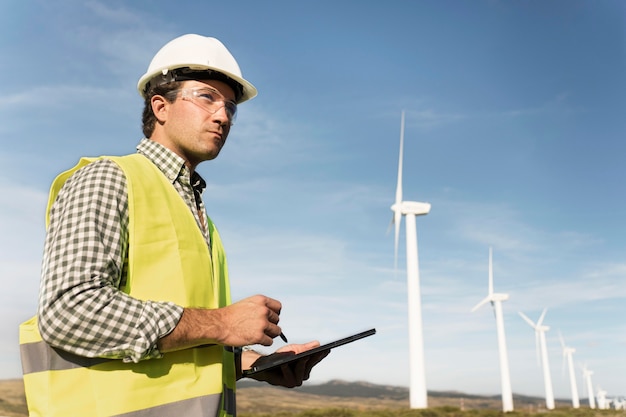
(499, 297)
(568, 351)
(411, 207)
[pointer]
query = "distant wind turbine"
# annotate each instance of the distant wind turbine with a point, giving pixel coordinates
(602, 402)
(540, 336)
(587, 377)
(619, 403)
(411, 209)
(496, 301)
(567, 354)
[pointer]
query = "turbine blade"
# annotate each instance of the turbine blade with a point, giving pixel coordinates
(563, 365)
(397, 214)
(399, 184)
(390, 224)
(537, 340)
(527, 320)
(397, 219)
(483, 302)
(537, 348)
(490, 272)
(543, 314)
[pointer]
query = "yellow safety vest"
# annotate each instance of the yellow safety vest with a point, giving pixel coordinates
(168, 260)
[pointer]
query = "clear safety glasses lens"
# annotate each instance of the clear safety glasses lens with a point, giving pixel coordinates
(210, 100)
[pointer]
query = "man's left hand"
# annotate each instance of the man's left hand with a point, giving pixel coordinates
(288, 375)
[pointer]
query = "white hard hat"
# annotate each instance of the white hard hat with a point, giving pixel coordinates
(193, 57)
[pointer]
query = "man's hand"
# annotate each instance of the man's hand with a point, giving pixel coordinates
(251, 321)
(288, 375)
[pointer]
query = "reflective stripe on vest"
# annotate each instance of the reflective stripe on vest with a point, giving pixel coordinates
(168, 260)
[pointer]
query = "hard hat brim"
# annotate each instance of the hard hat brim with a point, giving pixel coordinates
(249, 91)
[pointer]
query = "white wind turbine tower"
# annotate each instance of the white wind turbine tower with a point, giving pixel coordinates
(567, 354)
(540, 335)
(496, 301)
(587, 377)
(602, 402)
(411, 209)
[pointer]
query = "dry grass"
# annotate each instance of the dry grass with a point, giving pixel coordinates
(267, 401)
(12, 400)
(270, 400)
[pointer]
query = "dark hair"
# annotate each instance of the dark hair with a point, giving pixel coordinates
(168, 91)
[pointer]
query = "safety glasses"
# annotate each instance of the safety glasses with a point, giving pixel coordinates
(210, 100)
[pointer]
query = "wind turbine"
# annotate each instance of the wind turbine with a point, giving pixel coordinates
(587, 377)
(496, 302)
(567, 354)
(602, 402)
(540, 336)
(411, 209)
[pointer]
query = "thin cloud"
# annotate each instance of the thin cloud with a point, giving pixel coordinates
(39, 97)
(115, 15)
(558, 104)
(267, 144)
(502, 226)
(430, 118)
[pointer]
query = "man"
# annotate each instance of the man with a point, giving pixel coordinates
(135, 316)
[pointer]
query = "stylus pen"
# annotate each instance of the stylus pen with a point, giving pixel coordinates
(282, 336)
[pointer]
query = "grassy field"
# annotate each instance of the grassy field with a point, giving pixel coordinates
(12, 400)
(346, 400)
(436, 412)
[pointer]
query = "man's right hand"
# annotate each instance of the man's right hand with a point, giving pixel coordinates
(250, 321)
(253, 320)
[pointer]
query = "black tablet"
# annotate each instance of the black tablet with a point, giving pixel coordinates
(277, 359)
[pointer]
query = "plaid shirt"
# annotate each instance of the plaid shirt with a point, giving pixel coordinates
(81, 309)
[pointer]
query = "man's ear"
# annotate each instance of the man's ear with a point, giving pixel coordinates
(160, 107)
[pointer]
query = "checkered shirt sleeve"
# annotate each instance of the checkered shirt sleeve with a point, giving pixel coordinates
(81, 309)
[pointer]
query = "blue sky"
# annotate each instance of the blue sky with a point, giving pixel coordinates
(514, 133)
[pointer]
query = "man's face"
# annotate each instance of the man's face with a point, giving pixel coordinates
(197, 123)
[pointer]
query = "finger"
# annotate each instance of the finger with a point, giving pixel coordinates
(299, 348)
(273, 305)
(266, 340)
(272, 316)
(270, 332)
(310, 345)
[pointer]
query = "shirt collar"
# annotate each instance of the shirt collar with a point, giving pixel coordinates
(172, 165)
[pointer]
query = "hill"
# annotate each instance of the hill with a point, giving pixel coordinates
(257, 398)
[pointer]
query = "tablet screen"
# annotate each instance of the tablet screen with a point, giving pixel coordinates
(280, 358)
